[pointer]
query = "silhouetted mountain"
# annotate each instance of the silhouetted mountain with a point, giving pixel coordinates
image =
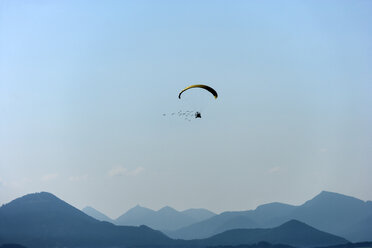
(43, 220)
(164, 219)
(338, 214)
(96, 214)
(292, 233)
(331, 212)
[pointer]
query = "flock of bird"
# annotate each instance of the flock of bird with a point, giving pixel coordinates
(186, 115)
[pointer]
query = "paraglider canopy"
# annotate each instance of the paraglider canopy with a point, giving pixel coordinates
(206, 87)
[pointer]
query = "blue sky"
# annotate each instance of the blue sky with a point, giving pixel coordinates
(84, 85)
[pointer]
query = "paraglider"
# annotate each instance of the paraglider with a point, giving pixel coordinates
(201, 86)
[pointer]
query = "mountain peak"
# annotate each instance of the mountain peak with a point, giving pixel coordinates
(325, 193)
(273, 205)
(330, 193)
(39, 196)
(33, 199)
(130, 217)
(294, 224)
(327, 196)
(167, 209)
(96, 214)
(138, 208)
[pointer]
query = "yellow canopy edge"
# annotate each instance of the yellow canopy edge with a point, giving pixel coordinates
(206, 87)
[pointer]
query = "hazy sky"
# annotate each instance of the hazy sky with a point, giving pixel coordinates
(84, 85)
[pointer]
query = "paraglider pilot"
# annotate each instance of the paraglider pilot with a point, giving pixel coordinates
(197, 115)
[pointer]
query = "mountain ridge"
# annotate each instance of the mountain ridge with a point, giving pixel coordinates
(44, 220)
(331, 212)
(164, 219)
(293, 233)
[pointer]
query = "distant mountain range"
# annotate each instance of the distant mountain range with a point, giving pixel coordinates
(165, 219)
(335, 213)
(338, 214)
(43, 220)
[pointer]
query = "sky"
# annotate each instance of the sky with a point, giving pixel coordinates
(84, 86)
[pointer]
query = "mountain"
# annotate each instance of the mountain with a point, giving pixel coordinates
(43, 220)
(338, 214)
(335, 213)
(293, 232)
(96, 214)
(164, 219)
